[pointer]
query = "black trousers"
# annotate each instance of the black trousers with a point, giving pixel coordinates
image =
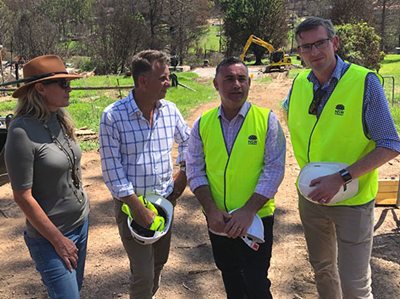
(244, 271)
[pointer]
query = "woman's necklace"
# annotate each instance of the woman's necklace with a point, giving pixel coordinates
(71, 157)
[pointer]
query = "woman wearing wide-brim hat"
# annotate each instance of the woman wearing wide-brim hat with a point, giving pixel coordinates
(43, 163)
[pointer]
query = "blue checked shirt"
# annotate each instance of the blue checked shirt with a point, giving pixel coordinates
(136, 158)
(377, 120)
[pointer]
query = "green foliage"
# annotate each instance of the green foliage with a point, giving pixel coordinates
(66, 14)
(210, 40)
(110, 32)
(7, 107)
(42, 27)
(113, 40)
(263, 18)
(295, 60)
(84, 63)
(89, 145)
(360, 44)
(391, 67)
(86, 107)
(105, 80)
(87, 113)
(351, 11)
(207, 47)
(187, 22)
(395, 110)
(186, 99)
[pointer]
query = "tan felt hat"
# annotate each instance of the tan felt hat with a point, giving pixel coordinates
(41, 68)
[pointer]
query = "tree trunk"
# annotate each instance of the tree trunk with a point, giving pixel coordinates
(258, 60)
(383, 17)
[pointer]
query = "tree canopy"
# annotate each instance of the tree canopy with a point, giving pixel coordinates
(263, 18)
(359, 43)
(351, 11)
(108, 31)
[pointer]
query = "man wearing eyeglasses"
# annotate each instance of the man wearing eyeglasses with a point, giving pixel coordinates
(337, 112)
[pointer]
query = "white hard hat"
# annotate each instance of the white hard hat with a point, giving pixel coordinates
(254, 235)
(317, 169)
(145, 236)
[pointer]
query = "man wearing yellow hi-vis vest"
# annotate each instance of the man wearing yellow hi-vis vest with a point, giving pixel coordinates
(235, 164)
(338, 119)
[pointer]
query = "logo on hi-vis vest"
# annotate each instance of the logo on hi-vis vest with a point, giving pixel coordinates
(339, 110)
(252, 140)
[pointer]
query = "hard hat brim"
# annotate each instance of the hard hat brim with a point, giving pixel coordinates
(255, 232)
(314, 170)
(168, 209)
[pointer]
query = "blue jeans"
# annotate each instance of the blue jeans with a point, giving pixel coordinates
(59, 281)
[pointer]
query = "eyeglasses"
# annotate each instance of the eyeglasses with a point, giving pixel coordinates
(320, 44)
(63, 83)
(319, 94)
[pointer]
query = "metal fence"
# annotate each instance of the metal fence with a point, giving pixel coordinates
(389, 89)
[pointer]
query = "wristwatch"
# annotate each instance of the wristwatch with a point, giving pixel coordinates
(346, 176)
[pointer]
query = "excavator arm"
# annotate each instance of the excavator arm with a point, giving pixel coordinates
(258, 41)
(278, 59)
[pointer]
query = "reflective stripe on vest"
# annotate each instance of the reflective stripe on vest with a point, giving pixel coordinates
(233, 178)
(338, 134)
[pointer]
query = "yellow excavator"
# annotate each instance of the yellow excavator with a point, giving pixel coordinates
(278, 59)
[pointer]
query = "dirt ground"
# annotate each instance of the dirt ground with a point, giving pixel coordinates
(190, 271)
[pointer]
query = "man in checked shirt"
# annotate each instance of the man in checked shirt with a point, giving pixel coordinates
(136, 138)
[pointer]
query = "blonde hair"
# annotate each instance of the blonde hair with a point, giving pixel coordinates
(31, 103)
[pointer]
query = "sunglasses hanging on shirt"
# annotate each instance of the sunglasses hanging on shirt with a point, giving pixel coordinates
(319, 94)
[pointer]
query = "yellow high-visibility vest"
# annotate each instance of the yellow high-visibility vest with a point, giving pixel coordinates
(338, 134)
(233, 178)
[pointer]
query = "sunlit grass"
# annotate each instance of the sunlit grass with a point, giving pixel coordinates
(86, 106)
(211, 40)
(391, 67)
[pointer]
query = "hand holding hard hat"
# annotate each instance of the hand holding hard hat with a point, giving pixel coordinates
(163, 211)
(316, 170)
(217, 219)
(254, 234)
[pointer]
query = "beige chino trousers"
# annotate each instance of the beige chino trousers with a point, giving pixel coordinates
(339, 241)
(146, 261)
